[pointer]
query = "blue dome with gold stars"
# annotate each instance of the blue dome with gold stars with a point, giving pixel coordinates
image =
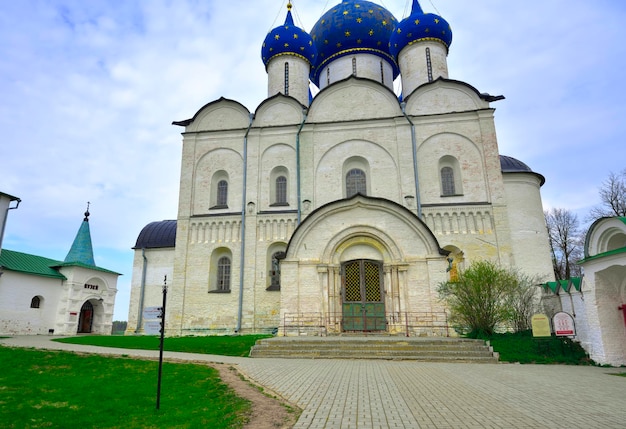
(288, 39)
(353, 26)
(417, 27)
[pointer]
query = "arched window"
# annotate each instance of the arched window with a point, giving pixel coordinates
(278, 181)
(222, 193)
(450, 176)
(219, 190)
(223, 274)
(447, 181)
(35, 302)
(281, 190)
(356, 182)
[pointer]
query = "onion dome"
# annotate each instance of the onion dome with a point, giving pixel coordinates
(420, 26)
(288, 39)
(353, 26)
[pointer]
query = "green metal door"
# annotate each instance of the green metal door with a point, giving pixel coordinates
(363, 305)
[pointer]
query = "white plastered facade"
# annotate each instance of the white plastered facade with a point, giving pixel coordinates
(60, 308)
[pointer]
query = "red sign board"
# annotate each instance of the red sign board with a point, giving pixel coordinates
(563, 324)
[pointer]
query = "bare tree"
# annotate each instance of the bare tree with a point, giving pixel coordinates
(523, 302)
(612, 197)
(566, 242)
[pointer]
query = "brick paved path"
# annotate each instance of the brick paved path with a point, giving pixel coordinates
(382, 394)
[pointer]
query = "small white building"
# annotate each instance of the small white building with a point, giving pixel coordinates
(604, 290)
(40, 295)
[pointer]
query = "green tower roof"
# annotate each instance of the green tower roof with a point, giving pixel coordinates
(82, 251)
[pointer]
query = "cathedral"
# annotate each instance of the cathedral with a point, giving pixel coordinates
(339, 205)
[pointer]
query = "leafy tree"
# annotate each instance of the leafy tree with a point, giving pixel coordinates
(566, 242)
(612, 197)
(119, 326)
(480, 298)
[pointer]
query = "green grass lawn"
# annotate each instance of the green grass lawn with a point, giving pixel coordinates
(52, 389)
(523, 348)
(239, 345)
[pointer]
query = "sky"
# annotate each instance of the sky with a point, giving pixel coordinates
(89, 90)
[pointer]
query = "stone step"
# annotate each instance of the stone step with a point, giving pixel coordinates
(390, 348)
(372, 348)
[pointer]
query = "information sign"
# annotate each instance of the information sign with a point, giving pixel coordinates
(541, 325)
(563, 324)
(152, 327)
(151, 313)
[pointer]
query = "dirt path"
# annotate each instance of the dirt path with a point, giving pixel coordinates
(268, 412)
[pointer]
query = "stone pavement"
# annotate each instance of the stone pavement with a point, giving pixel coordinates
(355, 394)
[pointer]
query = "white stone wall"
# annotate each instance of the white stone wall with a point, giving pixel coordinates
(604, 291)
(16, 293)
(76, 293)
(529, 234)
(367, 66)
(159, 263)
(355, 123)
(298, 77)
(413, 64)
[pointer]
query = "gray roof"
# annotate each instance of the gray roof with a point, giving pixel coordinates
(156, 235)
(508, 164)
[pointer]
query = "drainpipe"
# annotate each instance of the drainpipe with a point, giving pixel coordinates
(414, 146)
(299, 196)
(142, 292)
(243, 224)
(4, 221)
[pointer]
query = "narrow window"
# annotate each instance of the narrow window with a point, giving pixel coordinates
(328, 76)
(35, 302)
(354, 66)
(222, 193)
(286, 78)
(223, 274)
(447, 181)
(382, 73)
(275, 271)
(355, 182)
(281, 190)
(429, 65)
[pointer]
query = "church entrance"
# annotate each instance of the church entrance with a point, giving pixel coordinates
(363, 303)
(85, 320)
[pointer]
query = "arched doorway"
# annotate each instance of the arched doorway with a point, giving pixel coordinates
(85, 320)
(363, 299)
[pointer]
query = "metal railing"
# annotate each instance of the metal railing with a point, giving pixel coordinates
(410, 324)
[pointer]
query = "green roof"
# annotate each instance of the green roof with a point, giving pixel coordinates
(82, 250)
(602, 255)
(39, 266)
(30, 264)
(564, 285)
